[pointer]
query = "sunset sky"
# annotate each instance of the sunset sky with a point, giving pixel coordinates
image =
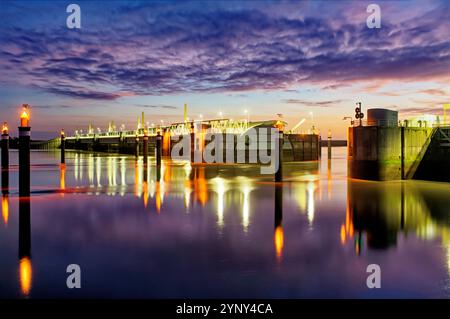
(296, 58)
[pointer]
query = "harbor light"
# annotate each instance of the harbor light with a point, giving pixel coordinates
(25, 116)
(279, 125)
(5, 128)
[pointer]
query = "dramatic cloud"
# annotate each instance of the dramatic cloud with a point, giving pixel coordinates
(314, 103)
(437, 92)
(422, 110)
(152, 49)
(170, 107)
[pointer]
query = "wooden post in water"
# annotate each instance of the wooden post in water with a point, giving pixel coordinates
(158, 148)
(145, 146)
(24, 152)
(63, 147)
(280, 137)
(5, 146)
(192, 143)
(329, 144)
(5, 158)
(136, 145)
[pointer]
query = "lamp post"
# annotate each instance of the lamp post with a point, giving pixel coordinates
(63, 147)
(5, 158)
(24, 152)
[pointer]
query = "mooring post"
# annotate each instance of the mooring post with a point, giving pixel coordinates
(136, 145)
(329, 144)
(5, 158)
(63, 147)
(5, 146)
(319, 147)
(145, 146)
(158, 148)
(192, 142)
(279, 172)
(24, 152)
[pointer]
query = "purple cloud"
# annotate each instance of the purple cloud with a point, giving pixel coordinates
(165, 51)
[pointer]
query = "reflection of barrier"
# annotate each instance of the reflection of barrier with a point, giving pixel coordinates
(393, 208)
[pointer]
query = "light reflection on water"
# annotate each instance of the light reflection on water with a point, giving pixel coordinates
(220, 231)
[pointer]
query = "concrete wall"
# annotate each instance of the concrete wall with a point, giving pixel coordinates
(435, 165)
(384, 153)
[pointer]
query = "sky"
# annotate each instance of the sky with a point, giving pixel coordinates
(301, 59)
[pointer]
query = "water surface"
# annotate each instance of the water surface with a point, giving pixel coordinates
(219, 231)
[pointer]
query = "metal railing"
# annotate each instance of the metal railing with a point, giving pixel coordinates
(382, 123)
(404, 123)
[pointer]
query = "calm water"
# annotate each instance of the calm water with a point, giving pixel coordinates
(219, 231)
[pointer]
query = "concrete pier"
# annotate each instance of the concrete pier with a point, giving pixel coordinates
(435, 163)
(395, 153)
